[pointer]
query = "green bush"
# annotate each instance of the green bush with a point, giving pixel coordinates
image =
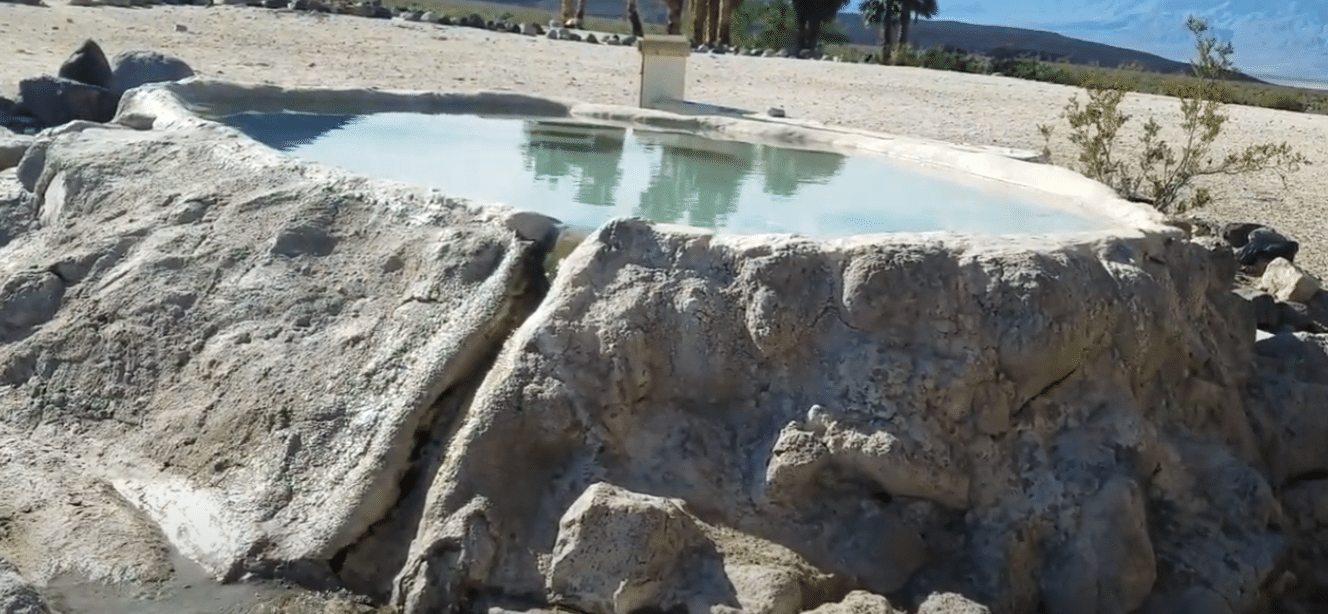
(1284, 101)
(1029, 68)
(1162, 175)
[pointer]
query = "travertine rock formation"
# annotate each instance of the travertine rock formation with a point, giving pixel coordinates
(284, 371)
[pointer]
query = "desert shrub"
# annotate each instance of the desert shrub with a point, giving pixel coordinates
(1029, 68)
(1163, 173)
(940, 58)
(1284, 101)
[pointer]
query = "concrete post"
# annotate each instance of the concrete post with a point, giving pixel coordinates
(663, 68)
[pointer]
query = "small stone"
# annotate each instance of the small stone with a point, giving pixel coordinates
(590, 38)
(775, 112)
(179, 27)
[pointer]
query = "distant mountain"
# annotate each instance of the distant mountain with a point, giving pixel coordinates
(1284, 38)
(1000, 40)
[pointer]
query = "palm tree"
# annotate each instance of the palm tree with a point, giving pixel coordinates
(892, 14)
(810, 14)
(912, 10)
(884, 13)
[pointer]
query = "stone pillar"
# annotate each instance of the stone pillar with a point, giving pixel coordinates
(663, 68)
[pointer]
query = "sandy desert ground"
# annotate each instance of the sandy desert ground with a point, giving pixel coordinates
(249, 44)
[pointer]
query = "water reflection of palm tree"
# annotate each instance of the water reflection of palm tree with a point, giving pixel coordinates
(697, 176)
(786, 170)
(557, 149)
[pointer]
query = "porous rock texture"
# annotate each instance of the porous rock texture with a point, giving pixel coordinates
(1038, 429)
(256, 353)
(285, 371)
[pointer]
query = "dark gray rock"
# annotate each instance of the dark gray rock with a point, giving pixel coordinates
(87, 65)
(1266, 314)
(131, 69)
(55, 100)
(20, 122)
(1238, 234)
(1296, 316)
(1265, 244)
(445, 20)
(275, 4)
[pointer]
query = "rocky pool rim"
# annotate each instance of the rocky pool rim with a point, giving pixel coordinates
(188, 104)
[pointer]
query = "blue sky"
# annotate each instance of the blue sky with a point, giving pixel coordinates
(1286, 39)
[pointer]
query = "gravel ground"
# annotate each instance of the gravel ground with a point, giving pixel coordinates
(291, 49)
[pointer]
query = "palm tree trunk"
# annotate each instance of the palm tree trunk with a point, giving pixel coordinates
(904, 20)
(634, 18)
(712, 22)
(675, 10)
(698, 22)
(888, 31)
(728, 8)
(568, 10)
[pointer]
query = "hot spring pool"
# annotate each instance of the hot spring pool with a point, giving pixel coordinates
(585, 174)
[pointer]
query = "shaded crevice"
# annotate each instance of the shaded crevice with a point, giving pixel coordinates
(1045, 389)
(369, 565)
(1307, 476)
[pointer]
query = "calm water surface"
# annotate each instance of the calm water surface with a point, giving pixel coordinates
(585, 174)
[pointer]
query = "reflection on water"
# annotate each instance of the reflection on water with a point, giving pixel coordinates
(692, 179)
(585, 174)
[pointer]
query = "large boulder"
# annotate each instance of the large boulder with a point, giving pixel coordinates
(87, 65)
(921, 416)
(55, 101)
(134, 68)
(1287, 282)
(260, 353)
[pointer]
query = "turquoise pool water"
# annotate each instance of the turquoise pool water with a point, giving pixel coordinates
(585, 174)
